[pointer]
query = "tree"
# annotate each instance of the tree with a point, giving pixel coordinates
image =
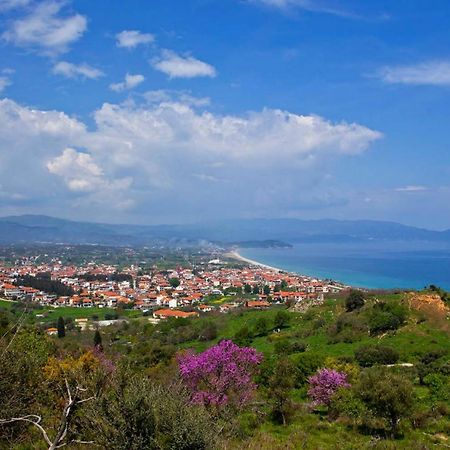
(221, 375)
(61, 327)
(98, 340)
(355, 300)
(306, 364)
(281, 383)
(262, 326)
(369, 355)
(74, 399)
(243, 337)
(208, 331)
(174, 282)
(386, 395)
(324, 384)
(266, 289)
(255, 289)
(281, 319)
(387, 316)
(247, 289)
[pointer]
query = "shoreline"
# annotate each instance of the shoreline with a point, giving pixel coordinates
(236, 255)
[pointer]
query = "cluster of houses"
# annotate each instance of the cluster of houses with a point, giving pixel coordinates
(165, 293)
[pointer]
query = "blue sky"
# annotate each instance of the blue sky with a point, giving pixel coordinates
(177, 111)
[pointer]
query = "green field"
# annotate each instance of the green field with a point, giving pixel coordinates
(49, 314)
(6, 304)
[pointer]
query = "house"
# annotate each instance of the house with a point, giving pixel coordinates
(165, 313)
(51, 331)
(257, 304)
(11, 291)
(82, 323)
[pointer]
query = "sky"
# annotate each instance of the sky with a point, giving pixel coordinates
(178, 111)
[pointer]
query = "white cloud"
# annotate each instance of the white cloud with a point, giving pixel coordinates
(78, 169)
(133, 38)
(412, 188)
(130, 82)
(45, 29)
(184, 97)
(435, 73)
(144, 156)
(6, 5)
(177, 66)
(70, 70)
(4, 83)
(319, 6)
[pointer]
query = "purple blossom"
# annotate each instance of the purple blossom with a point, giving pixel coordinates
(107, 364)
(221, 374)
(324, 384)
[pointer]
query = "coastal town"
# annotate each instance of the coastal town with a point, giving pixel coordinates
(179, 292)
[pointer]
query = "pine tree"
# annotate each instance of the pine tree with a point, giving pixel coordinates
(98, 340)
(61, 327)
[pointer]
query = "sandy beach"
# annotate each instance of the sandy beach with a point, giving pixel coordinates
(235, 255)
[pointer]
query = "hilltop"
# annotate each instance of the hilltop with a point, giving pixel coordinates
(255, 232)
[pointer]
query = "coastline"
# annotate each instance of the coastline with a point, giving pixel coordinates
(236, 255)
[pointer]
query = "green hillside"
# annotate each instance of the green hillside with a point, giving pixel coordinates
(393, 350)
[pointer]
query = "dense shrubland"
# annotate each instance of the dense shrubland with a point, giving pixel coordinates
(365, 371)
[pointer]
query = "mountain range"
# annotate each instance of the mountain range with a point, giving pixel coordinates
(28, 229)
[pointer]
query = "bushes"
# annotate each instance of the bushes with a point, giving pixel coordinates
(348, 328)
(387, 396)
(306, 364)
(135, 414)
(287, 347)
(345, 403)
(386, 316)
(262, 327)
(439, 387)
(281, 319)
(380, 400)
(354, 301)
(370, 355)
(243, 336)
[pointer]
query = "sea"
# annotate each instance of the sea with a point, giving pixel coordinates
(369, 264)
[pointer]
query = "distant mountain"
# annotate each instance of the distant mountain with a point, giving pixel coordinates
(44, 229)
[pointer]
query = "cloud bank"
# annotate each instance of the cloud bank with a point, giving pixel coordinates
(161, 155)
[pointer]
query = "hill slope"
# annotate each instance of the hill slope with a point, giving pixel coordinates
(37, 228)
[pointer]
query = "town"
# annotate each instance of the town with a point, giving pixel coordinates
(179, 292)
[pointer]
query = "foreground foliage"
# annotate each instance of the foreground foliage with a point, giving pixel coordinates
(373, 376)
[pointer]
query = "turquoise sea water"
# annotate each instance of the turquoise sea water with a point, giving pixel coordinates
(386, 264)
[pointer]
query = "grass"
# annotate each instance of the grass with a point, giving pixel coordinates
(6, 304)
(51, 314)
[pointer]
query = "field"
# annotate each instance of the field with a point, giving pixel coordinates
(50, 314)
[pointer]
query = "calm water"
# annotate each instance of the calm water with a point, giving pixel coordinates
(372, 265)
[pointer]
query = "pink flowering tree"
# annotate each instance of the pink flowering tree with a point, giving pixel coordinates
(324, 384)
(220, 375)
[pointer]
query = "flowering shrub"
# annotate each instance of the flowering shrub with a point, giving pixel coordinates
(220, 375)
(324, 384)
